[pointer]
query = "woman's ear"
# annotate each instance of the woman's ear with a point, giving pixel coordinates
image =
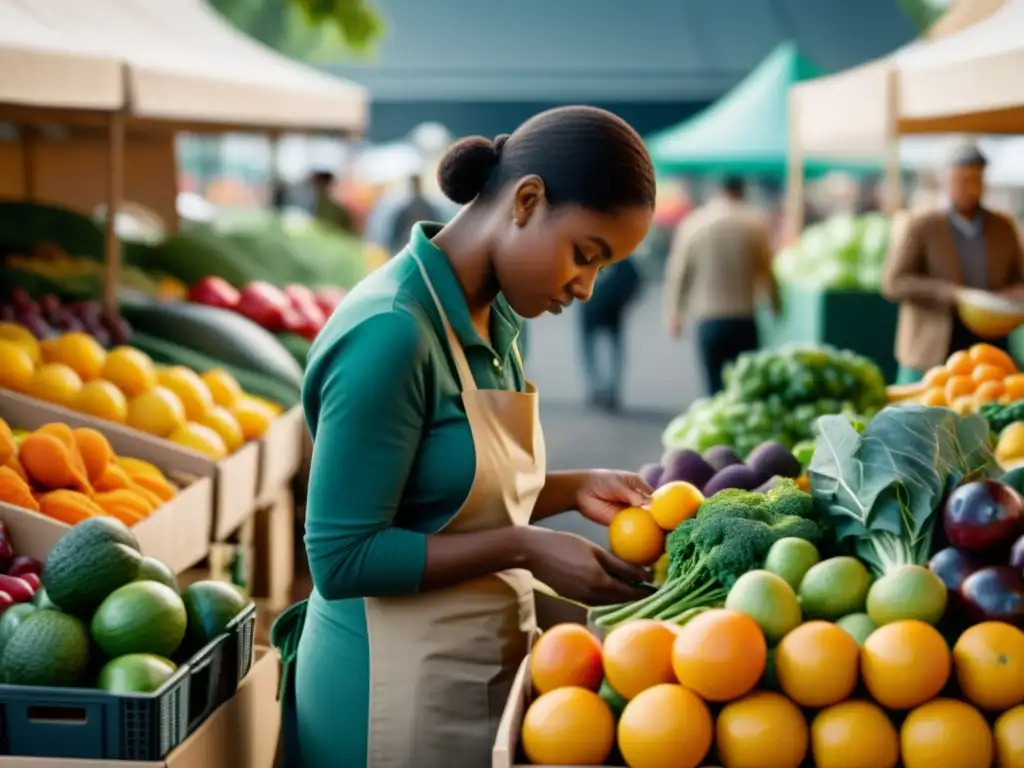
(529, 196)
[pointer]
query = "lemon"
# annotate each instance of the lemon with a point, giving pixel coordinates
(24, 338)
(254, 417)
(225, 390)
(55, 383)
(191, 390)
(221, 421)
(16, 367)
(200, 439)
(79, 351)
(156, 412)
(130, 370)
(103, 400)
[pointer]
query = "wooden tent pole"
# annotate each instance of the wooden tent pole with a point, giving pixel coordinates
(893, 179)
(794, 173)
(115, 193)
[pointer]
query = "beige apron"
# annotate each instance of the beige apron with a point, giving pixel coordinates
(442, 662)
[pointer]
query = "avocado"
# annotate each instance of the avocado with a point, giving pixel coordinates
(211, 605)
(49, 648)
(151, 569)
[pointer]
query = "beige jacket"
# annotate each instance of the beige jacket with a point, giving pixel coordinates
(720, 263)
(923, 272)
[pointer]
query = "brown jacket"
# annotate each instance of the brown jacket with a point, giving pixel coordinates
(923, 272)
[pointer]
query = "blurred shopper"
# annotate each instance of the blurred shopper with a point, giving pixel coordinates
(604, 315)
(392, 219)
(719, 265)
(961, 244)
(326, 207)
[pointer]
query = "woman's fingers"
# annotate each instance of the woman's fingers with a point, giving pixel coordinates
(620, 569)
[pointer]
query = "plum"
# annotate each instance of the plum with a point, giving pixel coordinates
(737, 476)
(982, 516)
(953, 566)
(771, 458)
(651, 473)
(720, 457)
(995, 593)
(687, 466)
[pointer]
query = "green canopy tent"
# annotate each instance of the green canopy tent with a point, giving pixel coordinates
(747, 130)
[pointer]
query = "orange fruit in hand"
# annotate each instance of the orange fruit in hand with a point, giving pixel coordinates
(959, 364)
(817, 663)
(854, 734)
(720, 654)
(904, 664)
(989, 663)
(638, 656)
(635, 537)
(1009, 734)
(986, 354)
(762, 730)
(675, 502)
(959, 386)
(568, 726)
(945, 732)
(566, 655)
(666, 726)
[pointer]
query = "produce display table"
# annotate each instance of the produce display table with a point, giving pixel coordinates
(859, 321)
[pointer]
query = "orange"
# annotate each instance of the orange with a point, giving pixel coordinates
(762, 730)
(936, 377)
(1009, 735)
(55, 383)
(666, 726)
(24, 338)
(986, 354)
(156, 412)
(989, 663)
(989, 392)
(130, 370)
(936, 397)
(635, 537)
(191, 390)
(638, 656)
(16, 367)
(223, 387)
(904, 664)
(720, 654)
(79, 351)
(566, 655)
(675, 502)
(1014, 386)
(945, 732)
(987, 372)
(201, 439)
(959, 386)
(103, 400)
(221, 421)
(854, 734)
(568, 726)
(253, 416)
(816, 664)
(959, 364)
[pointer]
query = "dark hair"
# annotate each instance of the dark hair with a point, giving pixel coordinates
(968, 155)
(584, 155)
(734, 185)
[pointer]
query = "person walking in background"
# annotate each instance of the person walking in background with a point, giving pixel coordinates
(941, 250)
(615, 290)
(326, 208)
(719, 265)
(416, 207)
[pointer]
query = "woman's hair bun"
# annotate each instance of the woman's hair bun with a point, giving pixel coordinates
(466, 167)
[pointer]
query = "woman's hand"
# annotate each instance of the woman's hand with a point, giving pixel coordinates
(603, 493)
(579, 570)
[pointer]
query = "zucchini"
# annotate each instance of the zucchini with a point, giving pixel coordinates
(169, 353)
(296, 345)
(226, 336)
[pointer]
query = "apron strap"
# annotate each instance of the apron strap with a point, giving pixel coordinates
(458, 353)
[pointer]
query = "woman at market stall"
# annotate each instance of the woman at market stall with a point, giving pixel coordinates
(429, 464)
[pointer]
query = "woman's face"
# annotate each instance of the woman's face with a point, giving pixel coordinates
(550, 257)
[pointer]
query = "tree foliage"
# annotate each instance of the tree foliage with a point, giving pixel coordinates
(923, 13)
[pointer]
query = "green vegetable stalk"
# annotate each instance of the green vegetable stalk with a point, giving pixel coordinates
(730, 535)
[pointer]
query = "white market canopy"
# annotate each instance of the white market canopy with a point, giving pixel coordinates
(853, 111)
(186, 65)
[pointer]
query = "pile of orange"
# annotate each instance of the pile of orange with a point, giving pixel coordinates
(711, 692)
(637, 534)
(971, 378)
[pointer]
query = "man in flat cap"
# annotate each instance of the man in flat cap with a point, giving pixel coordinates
(940, 251)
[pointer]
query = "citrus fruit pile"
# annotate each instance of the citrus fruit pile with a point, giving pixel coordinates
(714, 693)
(969, 379)
(208, 413)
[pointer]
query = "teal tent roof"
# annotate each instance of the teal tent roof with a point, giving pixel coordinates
(746, 131)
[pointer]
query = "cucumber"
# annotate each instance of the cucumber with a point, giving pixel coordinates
(296, 345)
(169, 353)
(224, 335)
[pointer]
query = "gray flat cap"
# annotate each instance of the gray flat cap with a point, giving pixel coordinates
(967, 155)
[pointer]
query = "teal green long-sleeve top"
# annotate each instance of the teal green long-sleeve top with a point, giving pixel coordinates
(393, 456)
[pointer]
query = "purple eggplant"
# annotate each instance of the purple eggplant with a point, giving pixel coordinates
(983, 516)
(995, 593)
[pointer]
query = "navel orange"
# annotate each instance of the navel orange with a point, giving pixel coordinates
(762, 730)
(638, 656)
(945, 732)
(989, 663)
(666, 726)
(720, 655)
(568, 726)
(904, 664)
(854, 734)
(566, 655)
(817, 663)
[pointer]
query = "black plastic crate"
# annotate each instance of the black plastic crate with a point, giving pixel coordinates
(88, 723)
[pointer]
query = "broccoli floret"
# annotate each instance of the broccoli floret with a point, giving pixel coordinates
(730, 535)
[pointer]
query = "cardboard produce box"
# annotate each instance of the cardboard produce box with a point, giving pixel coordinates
(178, 533)
(281, 451)
(243, 733)
(233, 479)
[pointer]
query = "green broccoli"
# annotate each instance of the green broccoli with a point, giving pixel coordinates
(730, 535)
